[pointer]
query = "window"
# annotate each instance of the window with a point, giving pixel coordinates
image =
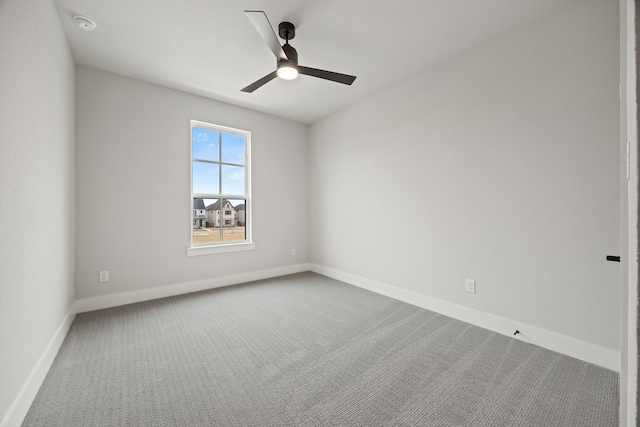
(220, 182)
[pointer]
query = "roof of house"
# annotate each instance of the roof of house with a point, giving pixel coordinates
(216, 206)
(240, 207)
(198, 204)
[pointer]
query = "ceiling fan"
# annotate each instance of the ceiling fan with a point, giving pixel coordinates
(287, 57)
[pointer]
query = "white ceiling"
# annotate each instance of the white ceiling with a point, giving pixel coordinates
(210, 48)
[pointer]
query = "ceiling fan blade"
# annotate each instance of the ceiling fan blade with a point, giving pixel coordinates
(262, 25)
(255, 85)
(328, 75)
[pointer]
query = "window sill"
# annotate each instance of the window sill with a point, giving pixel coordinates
(220, 249)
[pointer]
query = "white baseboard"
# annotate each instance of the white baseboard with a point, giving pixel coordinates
(588, 352)
(23, 401)
(114, 300)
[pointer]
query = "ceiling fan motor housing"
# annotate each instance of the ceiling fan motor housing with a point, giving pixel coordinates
(287, 30)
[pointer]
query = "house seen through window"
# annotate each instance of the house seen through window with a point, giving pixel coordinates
(219, 185)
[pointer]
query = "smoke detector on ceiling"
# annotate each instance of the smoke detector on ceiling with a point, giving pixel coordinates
(85, 23)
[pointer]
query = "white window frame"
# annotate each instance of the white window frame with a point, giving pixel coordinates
(222, 247)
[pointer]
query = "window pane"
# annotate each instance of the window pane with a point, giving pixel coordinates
(205, 144)
(204, 230)
(233, 180)
(233, 148)
(234, 222)
(206, 178)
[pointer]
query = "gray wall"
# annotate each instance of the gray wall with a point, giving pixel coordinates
(36, 187)
(133, 194)
(500, 166)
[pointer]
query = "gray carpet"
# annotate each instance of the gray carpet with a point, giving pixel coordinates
(305, 350)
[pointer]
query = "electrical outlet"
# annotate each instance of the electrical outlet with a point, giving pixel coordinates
(471, 286)
(104, 276)
(294, 252)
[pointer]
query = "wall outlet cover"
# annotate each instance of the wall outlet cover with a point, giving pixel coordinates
(104, 276)
(471, 286)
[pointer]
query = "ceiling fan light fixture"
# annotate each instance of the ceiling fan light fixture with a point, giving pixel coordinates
(287, 71)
